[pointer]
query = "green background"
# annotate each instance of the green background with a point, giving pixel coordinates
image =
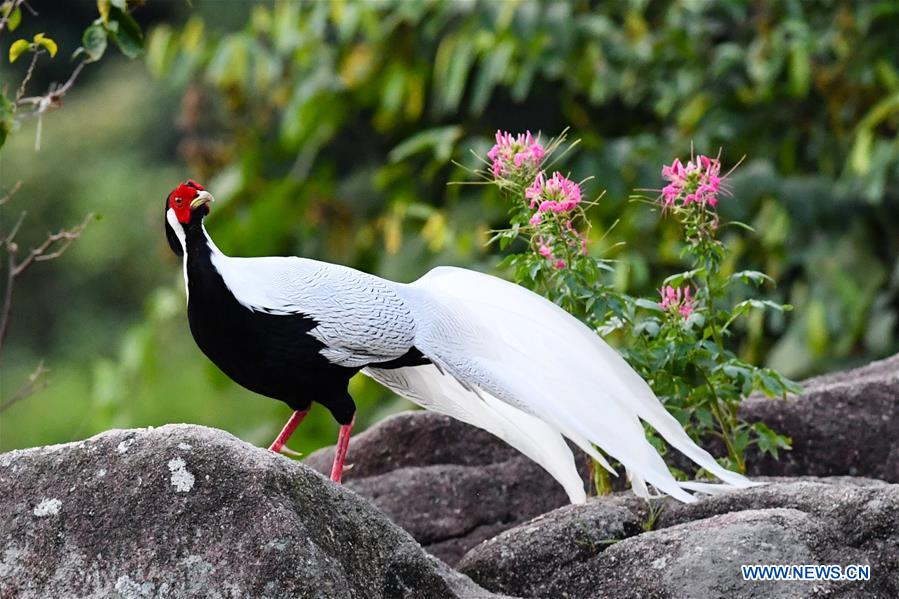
(329, 130)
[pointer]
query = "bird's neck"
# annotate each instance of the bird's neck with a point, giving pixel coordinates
(201, 275)
(199, 245)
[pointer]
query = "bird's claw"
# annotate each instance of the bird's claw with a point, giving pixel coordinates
(288, 451)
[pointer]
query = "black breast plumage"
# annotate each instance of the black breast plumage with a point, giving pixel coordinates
(271, 354)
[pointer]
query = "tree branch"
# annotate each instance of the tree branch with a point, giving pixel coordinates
(10, 193)
(21, 91)
(64, 237)
(33, 384)
(53, 247)
(12, 233)
(53, 97)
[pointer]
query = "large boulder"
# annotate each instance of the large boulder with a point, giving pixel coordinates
(449, 484)
(696, 550)
(845, 423)
(184, 511)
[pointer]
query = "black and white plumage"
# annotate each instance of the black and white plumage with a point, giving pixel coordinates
(469, 345)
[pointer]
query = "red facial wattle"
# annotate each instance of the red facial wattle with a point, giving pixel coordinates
(181, 197)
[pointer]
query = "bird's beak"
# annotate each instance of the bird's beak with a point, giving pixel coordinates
(203, 197)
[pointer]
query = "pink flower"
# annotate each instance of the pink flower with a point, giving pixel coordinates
(677, 300)
(535, 220)
(511, 154)
(560, 264)
(545, 251)
(699, 181)
(556, 194)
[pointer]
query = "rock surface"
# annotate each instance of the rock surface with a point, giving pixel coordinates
(845, 423)
(696, 550)
(185, 511)
(449, 484)
(188, 511)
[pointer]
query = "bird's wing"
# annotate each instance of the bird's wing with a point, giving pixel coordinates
(436, 390)
(527, 352)
(360, 318)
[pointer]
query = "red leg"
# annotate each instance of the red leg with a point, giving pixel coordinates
(343, 443)
(295, 419)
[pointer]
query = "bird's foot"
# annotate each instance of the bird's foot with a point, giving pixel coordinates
(295, 419)
(343, 443)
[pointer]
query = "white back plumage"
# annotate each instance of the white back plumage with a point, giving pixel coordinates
(522, 368)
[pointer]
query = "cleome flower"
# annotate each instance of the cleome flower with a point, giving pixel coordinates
(511, 154)
(556, 194)
(699, 181)
(677, 300)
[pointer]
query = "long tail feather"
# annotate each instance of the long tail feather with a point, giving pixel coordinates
(434, 390)
(528, 353)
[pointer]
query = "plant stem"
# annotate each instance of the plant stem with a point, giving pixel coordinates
(726, 430)
(601, 479)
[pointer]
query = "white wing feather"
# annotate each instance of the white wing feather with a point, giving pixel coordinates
(527, 352)
(361, 319)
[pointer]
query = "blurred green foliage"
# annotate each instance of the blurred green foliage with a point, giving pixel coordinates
(328, 129)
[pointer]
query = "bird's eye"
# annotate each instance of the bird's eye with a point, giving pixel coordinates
(178, 201)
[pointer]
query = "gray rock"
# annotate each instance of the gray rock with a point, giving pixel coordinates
(696, 550)
(522, 559)
(699, 559)
(449, 484)
(844, 423)
(189, 511)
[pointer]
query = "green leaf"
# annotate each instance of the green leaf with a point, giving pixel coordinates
(746, 305)
(161, 50)
(650, 327)
(452, 65)
(6, 115)
(704, 417)
(678, 279)
(103, 7)
(751, 276)
(800, 70)
(769, 441)
(230, 64)
(816, 328)
(740, 440)
(94, 40)
(47, 43)
(12, 23)
(439, 140)
(125, 32)
(648, 305)
(740, 225)
(17, 48)
(493, 67)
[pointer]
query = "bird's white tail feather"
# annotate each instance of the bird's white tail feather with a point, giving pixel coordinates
(434, 390)
(525, 351)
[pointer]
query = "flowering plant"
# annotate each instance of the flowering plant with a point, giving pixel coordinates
(681, 342)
